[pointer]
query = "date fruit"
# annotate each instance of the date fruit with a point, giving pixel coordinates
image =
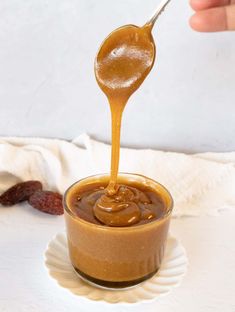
(20, 192)
(46, 201)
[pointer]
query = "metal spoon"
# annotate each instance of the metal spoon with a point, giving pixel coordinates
(158, 12)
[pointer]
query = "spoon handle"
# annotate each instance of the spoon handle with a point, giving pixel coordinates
(158, 12)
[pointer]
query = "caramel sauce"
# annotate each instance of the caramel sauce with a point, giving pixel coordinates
(123, 62)
(132, 204)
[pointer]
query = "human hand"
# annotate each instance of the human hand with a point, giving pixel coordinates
(213, 15)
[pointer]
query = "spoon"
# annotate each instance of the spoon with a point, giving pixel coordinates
(158, 12)
(126, 57)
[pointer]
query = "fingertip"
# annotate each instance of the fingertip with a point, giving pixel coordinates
(209, 20)
(195, 5)
(199, 5)
(196, 23)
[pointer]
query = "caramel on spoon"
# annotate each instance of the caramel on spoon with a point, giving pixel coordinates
(123, 62)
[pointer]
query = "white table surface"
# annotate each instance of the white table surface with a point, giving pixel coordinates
(26, 286)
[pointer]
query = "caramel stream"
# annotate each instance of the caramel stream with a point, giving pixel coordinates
(123, 62)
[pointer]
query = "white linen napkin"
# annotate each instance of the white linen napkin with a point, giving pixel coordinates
(201, 184)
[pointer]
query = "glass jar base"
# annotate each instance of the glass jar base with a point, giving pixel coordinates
(110, 285)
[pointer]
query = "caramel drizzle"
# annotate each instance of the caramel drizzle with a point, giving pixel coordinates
(122, 64)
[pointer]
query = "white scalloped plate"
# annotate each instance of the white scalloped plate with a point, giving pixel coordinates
(172, 270)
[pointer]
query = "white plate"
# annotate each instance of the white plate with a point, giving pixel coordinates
(173, 268)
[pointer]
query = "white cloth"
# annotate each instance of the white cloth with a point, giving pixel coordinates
(201, 184)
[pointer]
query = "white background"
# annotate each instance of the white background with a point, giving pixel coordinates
(47, 85)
